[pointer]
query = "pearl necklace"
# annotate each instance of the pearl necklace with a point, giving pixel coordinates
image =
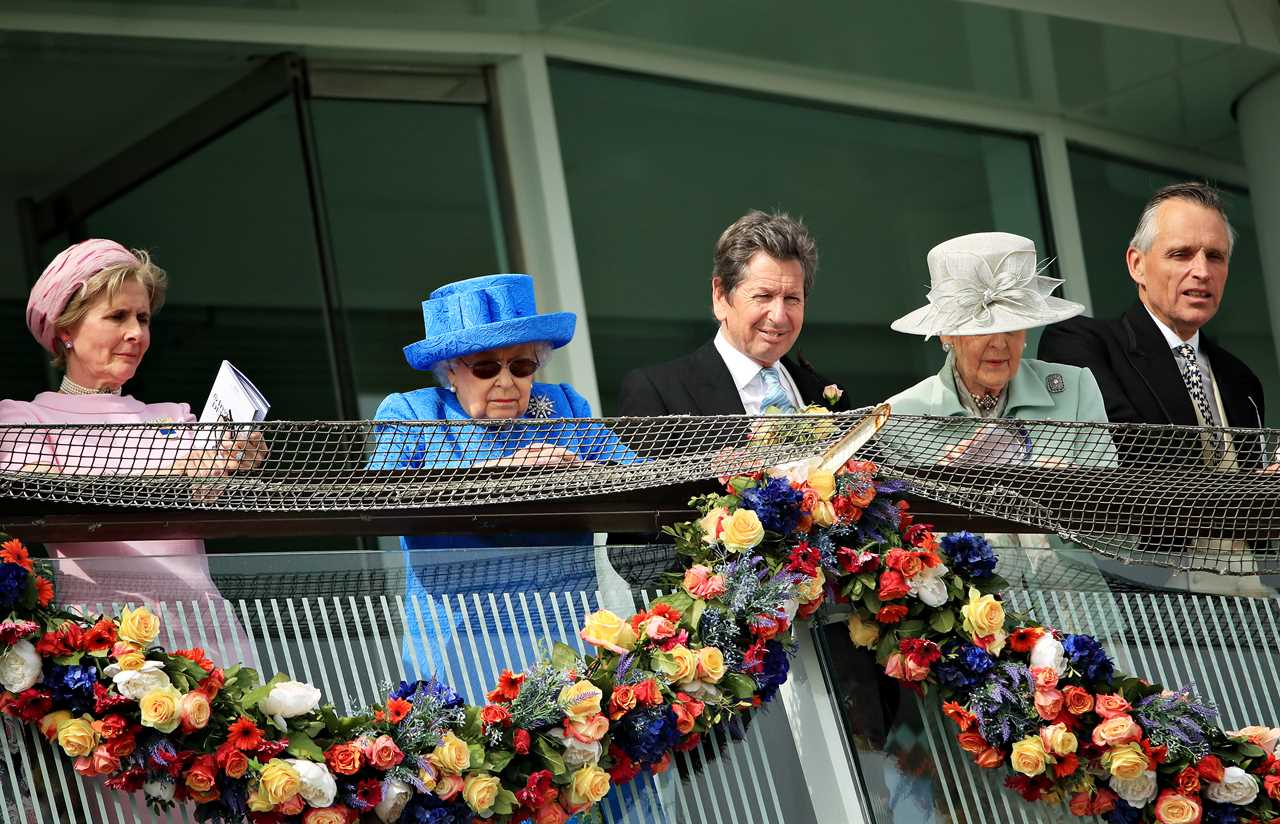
(70, 387)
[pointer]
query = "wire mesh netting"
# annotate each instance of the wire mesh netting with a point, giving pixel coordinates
(1180, 497)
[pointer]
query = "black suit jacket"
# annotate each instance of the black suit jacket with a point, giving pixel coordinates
(1140, 378)
(701, 384)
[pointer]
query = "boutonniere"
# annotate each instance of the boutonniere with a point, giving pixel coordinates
(831, 395)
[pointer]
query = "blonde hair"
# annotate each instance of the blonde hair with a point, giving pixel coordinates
(108, 281)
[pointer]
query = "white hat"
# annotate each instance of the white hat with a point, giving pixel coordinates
(986, 283)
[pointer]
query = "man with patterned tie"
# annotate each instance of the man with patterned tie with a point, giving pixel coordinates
(1152, 363)
(763, 272)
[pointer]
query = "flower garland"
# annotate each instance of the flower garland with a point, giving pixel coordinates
(550, 742)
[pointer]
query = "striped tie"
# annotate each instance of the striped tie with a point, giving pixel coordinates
(775, 396)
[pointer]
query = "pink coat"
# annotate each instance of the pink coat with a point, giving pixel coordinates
(107, 572)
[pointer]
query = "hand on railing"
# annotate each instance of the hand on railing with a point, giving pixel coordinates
(536, 454)
(232, 455)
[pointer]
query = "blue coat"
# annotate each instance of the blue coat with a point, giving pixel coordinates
(1075, 397)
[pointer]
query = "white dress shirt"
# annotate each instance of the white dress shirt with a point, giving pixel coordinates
(1206, 369)
(747, 378)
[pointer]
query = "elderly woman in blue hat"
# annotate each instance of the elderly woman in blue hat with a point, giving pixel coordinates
(484, 342)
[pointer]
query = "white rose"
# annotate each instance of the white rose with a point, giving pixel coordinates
(1236, 787)
(577, 753)
(289, 699)
(161, 789)
(929, 587)
(791, 606)
(20, 667)
(133, 684)
(702, 690)
(1139, 791)
(1048, 652)
(395, 797)
(317, 785)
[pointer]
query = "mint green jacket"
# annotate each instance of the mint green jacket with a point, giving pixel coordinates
(1038, 391)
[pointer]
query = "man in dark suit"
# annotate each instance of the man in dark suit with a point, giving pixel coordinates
(1152, 363)
(763, 273)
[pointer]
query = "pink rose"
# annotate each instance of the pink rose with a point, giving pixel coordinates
(895, 667)
(1046, 677)
(700, 582)
(1119, 729)
(1109, 705)
(384, 754)
(1049, 703)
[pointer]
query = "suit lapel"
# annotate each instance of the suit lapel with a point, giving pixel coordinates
(710, 383)
(807, 382)
(1231, 386)
(1150, 356)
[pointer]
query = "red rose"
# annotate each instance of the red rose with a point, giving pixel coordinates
(122, 746)
(1189, 781)
(892, 586)
(202, 775)
(112, 726)
(495, 714)
(1210, 768)
(231, 761)
(212, 683)
(522, 742)
(647, 693)
(343, 759)
(891, 614)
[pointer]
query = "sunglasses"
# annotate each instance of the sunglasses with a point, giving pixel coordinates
(485, 369)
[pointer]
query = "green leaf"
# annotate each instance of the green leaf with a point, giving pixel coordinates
(888, 644)
(474, 727)
(694, 615)
(303, 746)
(913, 627)
(1251, 750)
(867, 579)
(497, 760)
(477, 755)
(564, 657)
(549, 755)
(872, 601)
(739, 685)
(505, 802)
(943, 621)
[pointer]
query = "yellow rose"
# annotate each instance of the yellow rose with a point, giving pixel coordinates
(823, 514)
(1125, 760)
(823, 483)
(1058, 739)
(159, 709)
(131, 661)
(279, 782)
(710, 665)
(983, 615)
(138, 626)
(863, 633)
(810, 588)
(742, 530)
(1028, 756)
(49, 724)
(685, 664)
(194, 710)
(581, 700)
(452, 755)
(589, 785)
(710, 525)
(77, 737)
(480, 791)
(607, 631)
(258, 802)
(1176, 808)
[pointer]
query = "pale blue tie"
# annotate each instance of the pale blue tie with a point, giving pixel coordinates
(775, 395)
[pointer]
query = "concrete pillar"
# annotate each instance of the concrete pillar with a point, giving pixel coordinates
(1258, 113)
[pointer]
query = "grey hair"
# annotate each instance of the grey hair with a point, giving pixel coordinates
(541, 353)
(1202, 194)
(777, 234)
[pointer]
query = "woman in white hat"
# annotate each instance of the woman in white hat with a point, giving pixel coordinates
(987, 291)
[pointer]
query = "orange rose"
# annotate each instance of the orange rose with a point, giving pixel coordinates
(1109, 705)
(1078, 701)
(972, 742)
(384, 754)
(1119, 729)
(343, 759)
(1048, 703)
(989, 759)
(1175, 808)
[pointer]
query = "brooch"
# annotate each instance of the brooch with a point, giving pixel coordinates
(1055, 384)
(540, 406)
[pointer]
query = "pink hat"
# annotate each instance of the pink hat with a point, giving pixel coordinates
(61, 278)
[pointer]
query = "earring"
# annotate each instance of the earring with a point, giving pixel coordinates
(66, 343)
(946, 347)
(453, 389)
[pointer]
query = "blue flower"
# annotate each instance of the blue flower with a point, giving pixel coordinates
(776, 504)
(646, 735)
(1088, 657)
(963, 665)
(969, 554)
(1123, 814)
(426, 808)
(774, 674)
(13, 585)
(1215, 813)
(72, 687)
(444, 694)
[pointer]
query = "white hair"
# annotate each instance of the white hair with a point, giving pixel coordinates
(541, 353)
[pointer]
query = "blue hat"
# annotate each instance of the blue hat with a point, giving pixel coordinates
(483, 313)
